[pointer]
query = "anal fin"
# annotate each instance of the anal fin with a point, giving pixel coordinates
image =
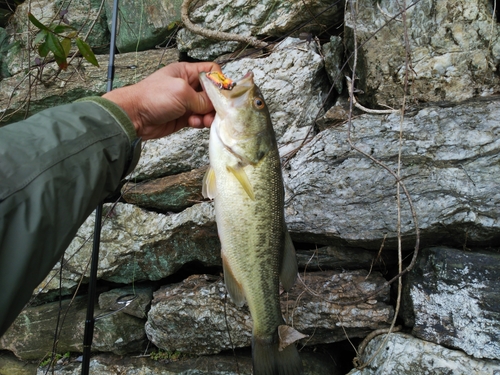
(234, 289)
(288, 268)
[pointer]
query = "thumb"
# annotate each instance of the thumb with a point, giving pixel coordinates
(199, 103)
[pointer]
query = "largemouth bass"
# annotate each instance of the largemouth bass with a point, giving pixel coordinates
(245, 181)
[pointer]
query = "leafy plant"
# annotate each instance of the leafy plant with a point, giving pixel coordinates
(54, 359)
(170, 356)
(58, 39)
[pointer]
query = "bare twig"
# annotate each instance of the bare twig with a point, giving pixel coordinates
(216, 35)
(350, 88)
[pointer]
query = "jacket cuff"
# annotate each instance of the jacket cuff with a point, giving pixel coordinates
(124, 122)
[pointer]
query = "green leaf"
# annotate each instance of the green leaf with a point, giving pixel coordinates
(40, 36)
(37, 23)
(66, 43)
(62, 28)
(43, 49)
(55, 46)
(86, 51)
(62, 62)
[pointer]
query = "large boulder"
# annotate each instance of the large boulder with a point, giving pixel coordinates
(294, 85)
(197, 317)
(81, 79)
(452, 49)
(400, 353)
(271, 18)
(144, 25)
(452, 298)
(31, 336)
(138, 245)
(450, 159)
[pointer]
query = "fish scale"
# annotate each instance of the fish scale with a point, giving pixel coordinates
(246, 184)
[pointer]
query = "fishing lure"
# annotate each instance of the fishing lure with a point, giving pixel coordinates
(221, 80)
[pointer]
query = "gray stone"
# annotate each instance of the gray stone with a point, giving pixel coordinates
(294, 85)
(340, 257)
(102, 364)
(171, 193)
(79, 80)
(259, 18)
(452, 298)
(144, 25)
(450, 160)
(138, 245)
(197, 317)
(82, 15)
(404, 354)
(31, 336)
(10, 365)
(133, 300)
(333, 53)
(454, 49)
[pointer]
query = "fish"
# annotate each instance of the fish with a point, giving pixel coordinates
(246, 184)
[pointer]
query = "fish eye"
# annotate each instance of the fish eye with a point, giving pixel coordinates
(259, 103)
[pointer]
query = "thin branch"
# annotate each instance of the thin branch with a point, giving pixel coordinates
(216, 35)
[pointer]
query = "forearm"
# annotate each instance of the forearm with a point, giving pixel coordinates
(54, 169)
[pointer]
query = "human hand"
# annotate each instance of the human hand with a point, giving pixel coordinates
(168, 100)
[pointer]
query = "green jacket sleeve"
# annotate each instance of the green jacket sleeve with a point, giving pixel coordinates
(55, 167)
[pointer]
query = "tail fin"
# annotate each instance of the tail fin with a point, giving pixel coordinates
(267, 359)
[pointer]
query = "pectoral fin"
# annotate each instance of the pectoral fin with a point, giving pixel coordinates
(233, 287)
(242, 177)
(288, 269)
(209, 188)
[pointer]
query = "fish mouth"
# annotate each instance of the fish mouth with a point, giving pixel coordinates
(223, 97)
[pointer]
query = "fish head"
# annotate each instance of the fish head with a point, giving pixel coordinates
(245, 124)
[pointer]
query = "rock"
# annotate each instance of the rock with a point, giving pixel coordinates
(294, 86)
(132, 300)
(405, 354)
(194, 316)
(10, 365)
(171, 193)
(102, 364)
(339, 257)
(144, 25)
(450, 166)
(453, 299)
(138, 245)
(4, 48)
(265, 18)
(333, 53)
(454, 49)
(31, 335)
(80, 15)
(80, 80)
(337, 115)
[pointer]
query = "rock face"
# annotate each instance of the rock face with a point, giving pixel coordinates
(102, 364)
(339, 164)
(196, 316)
(31, 336)
(404, 354)
(266, 18)
(80, 80)
(454, 48)
(449, 160)
(454, 300)
(166, 244)
(294, 85)
(144, 26)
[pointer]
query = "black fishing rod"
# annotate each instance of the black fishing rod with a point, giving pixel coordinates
(94, 265)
